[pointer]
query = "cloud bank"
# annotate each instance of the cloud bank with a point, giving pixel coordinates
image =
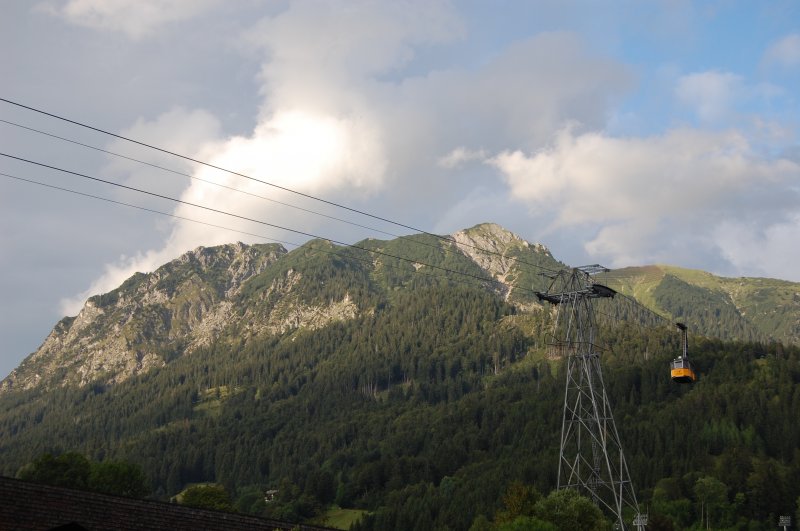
(656, 198)
(351, 107)
(343, 114)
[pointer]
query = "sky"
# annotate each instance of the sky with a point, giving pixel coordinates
(625, 132)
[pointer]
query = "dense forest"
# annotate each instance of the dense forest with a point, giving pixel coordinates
(433, 410)
(428, 429)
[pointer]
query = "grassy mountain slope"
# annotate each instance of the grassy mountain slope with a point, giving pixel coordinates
(728, 308)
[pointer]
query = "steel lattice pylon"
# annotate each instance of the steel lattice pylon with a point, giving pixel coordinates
(591, 459)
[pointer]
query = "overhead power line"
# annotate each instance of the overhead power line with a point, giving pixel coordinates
(469, 281)
(190, 176)
(220, 185)
(260, 222)
(609, 275)
(146, 209)
(634, 313)
(267, 183)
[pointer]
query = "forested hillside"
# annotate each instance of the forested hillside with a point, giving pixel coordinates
(750, 309)
(427, 404)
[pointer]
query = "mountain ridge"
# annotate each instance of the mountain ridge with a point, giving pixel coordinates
(125, 331)
(765, 309)
(240, 292)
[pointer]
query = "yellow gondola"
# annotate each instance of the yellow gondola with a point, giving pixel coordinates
(681, 368)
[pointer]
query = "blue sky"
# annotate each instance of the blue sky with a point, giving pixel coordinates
(623, 132)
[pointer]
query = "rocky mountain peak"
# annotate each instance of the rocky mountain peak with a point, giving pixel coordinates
(180, 306)
(224, 291)
(492, 247)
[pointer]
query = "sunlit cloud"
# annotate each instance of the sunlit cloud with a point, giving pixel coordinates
(647, 199)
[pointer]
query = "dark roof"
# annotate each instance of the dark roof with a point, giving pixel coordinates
(32, 506)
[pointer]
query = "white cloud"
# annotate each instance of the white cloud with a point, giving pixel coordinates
(651, 199)
(345, 41)
(178, 130)
(784, 52)
(309, 153)
(136, 18)
(712, 95)
(341, 118)
(766, 251)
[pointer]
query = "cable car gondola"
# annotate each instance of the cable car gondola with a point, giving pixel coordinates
(681, 368)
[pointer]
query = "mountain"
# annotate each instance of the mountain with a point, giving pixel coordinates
(760, 309)
(148, 320)
(376, 378)
(240, 292)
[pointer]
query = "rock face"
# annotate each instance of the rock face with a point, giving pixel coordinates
(503, 248)
(234, 292)
(147, 321)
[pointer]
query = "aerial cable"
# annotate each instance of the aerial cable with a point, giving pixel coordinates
(639, 306)
(245, 218)
(146, 209)
(176, 172)
(641, 315)
(337, 253)
(220, 185)
(286, 189)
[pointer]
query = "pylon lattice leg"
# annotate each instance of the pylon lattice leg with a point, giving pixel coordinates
(591, 459)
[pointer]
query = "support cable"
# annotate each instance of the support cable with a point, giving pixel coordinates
(190, 176)
(220, 185)
(267, 183)
(245, 218)
(338, 253)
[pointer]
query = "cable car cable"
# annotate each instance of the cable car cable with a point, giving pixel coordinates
(219, 211)
(338, 253)
(176, 172)
(284, 188)
(289, 205)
